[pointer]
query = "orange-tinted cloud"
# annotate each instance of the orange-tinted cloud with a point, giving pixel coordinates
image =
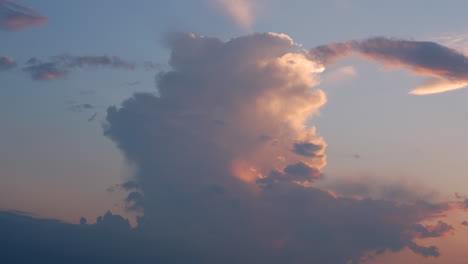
(434, 86)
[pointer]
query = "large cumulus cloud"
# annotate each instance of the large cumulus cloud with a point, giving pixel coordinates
(225, 161)
(225, 166)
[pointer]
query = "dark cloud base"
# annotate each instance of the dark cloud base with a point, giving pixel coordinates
(25, 239)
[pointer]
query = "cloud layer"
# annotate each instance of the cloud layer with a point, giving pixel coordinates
(447, 67)
(14, 17)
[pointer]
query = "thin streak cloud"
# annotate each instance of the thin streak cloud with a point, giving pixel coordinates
(59, 66)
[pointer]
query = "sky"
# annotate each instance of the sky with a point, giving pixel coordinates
(233, 131)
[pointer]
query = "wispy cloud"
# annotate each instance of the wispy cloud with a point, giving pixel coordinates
(59, 66)
(14, 17)
(241, 11)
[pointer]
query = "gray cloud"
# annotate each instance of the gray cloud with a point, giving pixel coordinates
(448, 66)
(6, 63)
(14, 17)
(59, 66)
(110, 240)
(373, 187)
(438, 230)
(93, 117)
(307, 149)
(81, 107)
(424, 251)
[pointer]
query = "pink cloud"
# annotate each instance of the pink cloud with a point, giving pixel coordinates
(448, 66)
(6, 63)
(14, 17)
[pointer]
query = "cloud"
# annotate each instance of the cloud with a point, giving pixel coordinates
(308, 149)
(424, 251)
(241, 11)
(448, 66)
(110, 240)
(81, 107)
(93, 117)
(225, 161)
(59, 66)
(14, 17)
(242, 192)
(6, 63)
(373, 187)
(434, 86)
(428, 231)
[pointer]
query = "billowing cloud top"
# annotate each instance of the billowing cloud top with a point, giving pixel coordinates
(15, 17)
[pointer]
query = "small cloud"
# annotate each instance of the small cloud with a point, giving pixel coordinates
(6, 63)
(59, 66)
(434, 86)
(241, 11)
(14, 17)
(438, 230)
(91, 118)
(81, 107)
(307, 149)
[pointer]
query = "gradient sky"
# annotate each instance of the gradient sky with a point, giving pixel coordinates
(56, 162)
